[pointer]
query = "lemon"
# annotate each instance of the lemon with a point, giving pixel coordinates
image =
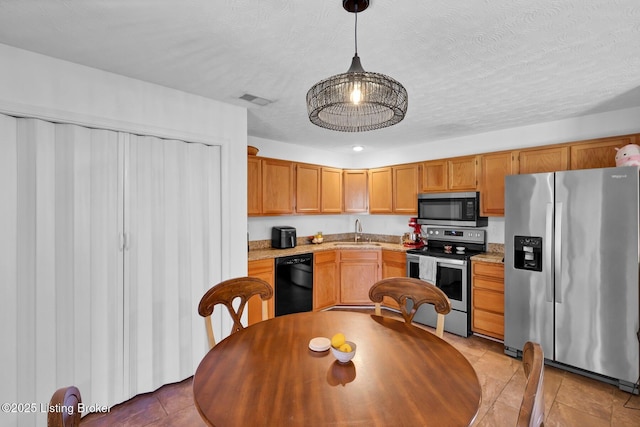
(346, 348)
(337, 340)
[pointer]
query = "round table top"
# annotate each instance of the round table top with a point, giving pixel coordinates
(401, 375)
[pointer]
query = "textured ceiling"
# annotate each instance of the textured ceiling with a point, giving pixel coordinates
(469, 66)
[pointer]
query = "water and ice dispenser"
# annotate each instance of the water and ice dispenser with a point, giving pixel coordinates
(527, 253)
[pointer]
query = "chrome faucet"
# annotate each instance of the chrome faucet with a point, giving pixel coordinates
(358, 230)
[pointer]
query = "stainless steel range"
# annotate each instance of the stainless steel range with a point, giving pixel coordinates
(445, 262)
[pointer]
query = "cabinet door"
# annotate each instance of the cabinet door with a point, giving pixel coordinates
(462, 173)
(433, 176)
(598, 153)
(307, 188)
(493, 169)
(381, 190)
(262, 269)
(405, 189)
(254, 186)
(355, 191)
(331, 184)
(359, 270)
(394, 264)
(277, 186)
(325, 279)
(544, 160)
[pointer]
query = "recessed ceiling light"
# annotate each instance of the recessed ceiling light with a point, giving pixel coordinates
(358, 148)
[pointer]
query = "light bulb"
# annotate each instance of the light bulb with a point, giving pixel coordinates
(356, 94)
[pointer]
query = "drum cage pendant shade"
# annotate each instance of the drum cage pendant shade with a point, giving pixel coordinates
(357, 100)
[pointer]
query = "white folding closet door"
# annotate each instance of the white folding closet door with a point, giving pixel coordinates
(108, 241)
(173, 255)
(63, 293)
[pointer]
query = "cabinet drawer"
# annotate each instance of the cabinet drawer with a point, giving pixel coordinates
(394, 256)
(488, 323)
(357, 255)
(325, 256)
(487, 283)
(488, 300)
(488, 269)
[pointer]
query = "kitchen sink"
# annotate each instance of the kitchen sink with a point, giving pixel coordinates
(356, 244)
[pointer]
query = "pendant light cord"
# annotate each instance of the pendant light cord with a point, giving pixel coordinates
(356, 31)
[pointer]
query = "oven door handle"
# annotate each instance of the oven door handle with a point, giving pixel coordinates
(450, 261)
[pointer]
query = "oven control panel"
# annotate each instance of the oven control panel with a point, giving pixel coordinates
(453, 234)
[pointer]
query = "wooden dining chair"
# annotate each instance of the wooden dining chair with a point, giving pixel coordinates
(532, 406)
(418, 291)
(225, 293)
(68, 399)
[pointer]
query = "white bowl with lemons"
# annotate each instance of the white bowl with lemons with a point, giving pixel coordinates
(342, 349)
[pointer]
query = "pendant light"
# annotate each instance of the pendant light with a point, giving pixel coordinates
(357, 100)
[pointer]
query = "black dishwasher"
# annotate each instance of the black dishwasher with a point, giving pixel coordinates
(294, 284)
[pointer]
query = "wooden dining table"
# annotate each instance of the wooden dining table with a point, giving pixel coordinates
(401, 375)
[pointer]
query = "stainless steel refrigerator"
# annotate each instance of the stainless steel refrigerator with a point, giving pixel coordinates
(571, 270)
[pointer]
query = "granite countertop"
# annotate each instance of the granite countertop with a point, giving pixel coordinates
(267, 253)
(496, 257)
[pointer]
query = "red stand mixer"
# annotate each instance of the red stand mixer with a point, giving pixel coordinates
(414, 239)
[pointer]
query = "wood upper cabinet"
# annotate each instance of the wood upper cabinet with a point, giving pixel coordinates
(263, 269)
(394, 264)
(355, 190)
(405, 189)
(539, 160)
(433, 176)
(381, 190)
(493, 169)
(462, 173)
(331, 187)
(254, 185)
(359, 270)
(598, 153)
(487, 311)
(308, 183)
(277, 186)
(325, 279)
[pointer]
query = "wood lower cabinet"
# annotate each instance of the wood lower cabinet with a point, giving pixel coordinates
(263, 269)
(541, 160)
(487, 311)
(394, 264)
(325, 279)
(494, 168)
(359, 270)
(355, 191)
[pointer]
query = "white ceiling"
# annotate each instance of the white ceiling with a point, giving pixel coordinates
(469, 66)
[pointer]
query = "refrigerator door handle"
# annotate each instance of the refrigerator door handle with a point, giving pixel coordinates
(548, 238)
(557, 269)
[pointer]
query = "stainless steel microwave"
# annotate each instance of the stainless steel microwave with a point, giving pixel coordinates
(456, 209)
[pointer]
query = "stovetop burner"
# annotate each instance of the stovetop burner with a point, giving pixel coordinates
(472, 239)
(441, 253)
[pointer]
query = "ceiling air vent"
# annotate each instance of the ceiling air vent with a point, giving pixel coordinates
(256, 99)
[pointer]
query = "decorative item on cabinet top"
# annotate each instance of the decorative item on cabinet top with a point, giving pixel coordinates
(251, 150)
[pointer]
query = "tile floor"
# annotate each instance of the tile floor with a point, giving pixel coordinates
(570, 399)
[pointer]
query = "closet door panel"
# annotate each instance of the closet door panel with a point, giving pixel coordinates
(8, 264)
(66, 291)
(173, 220)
